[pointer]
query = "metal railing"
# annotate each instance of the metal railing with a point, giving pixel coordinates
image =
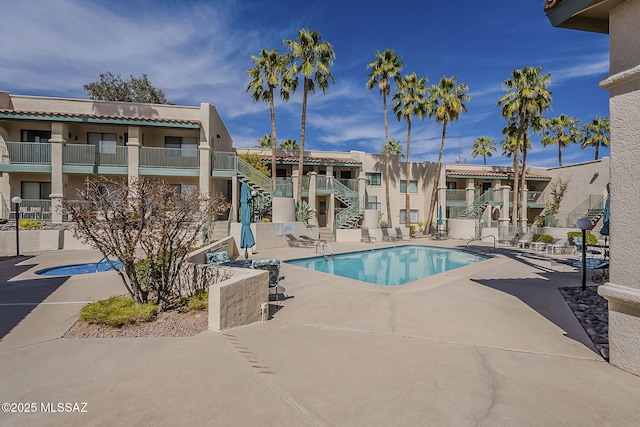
(254, 175)
(156, 157)
(284, 187)
(456, 195)
(25, 152)
(593, 204)
(85, 154)
(223, 161)
(39, 209)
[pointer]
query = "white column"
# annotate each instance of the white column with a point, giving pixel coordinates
(133, 152)
(312, 196)
(59, 132)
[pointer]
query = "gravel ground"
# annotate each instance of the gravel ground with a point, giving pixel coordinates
(167, 324)
(591, 310)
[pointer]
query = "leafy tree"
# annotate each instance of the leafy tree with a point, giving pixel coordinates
(483, 146)
(446, 102)
(266, 76)
(596, 134)
(289, 144)
(264, 141)
(126, 219)
(255, 161)
(312, 57)
(385, 69)
(111, 87)
(526, 99)
(561, 131)
(409, 101)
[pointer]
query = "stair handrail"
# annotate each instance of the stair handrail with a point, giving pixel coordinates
(593, 201)
(345, 191)
(346, 214)
(486, 197)
(253, 174)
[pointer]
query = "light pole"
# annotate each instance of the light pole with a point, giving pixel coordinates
(16, 200)
(583, 224)
(254, 193)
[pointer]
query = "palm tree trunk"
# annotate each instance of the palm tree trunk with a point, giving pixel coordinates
(273, 142)
(597, 150)
(407, 210)
(485, 159)
(523, 180)
(302, 131)
(434, 190)
(559, 153)
(387, 159)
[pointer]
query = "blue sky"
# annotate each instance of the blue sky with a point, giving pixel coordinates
(198, 51)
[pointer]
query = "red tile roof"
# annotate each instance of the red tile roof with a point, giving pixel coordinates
(481, 173)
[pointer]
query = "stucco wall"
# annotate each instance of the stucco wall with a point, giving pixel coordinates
(238, 301)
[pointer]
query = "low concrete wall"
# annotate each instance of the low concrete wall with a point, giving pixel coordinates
(462, 228)
(265, 234)
(30, 241)
(227, 244)
(238, 301)
(348, 235)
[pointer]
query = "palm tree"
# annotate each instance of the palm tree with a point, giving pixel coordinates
(596, 134)
(446, 102)
(483, 146)
(409, 101)
(312, 57)
(266, 76)
(264, 141)
(385, 68)
(289, 144)
(527, 97)
(561, 131)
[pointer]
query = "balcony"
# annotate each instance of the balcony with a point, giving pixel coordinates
(169, 161)
(224, 164)
(25, 157)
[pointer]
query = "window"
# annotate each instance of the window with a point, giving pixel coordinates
(373, 203)
(35, 135)
(179, 146)
(105, 142)
(181, 188)
(373, 178)
(413, 186)
(35, 190)
(414, 216)
(452, 185)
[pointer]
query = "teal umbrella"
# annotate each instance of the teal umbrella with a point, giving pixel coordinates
(440, 216)
(246, 235)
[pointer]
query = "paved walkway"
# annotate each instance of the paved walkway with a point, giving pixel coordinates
(489, 344)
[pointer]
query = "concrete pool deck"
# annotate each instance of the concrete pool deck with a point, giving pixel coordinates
(493, 343)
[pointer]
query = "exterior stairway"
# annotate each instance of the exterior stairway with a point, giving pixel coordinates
(352, 213)
(261, 184)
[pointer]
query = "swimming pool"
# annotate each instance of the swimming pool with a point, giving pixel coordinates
(391, 266)
(72, 270)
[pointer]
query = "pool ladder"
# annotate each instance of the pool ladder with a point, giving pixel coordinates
(104, 258)
(325, 245)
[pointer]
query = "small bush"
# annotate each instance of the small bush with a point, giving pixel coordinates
(29, 223)
(544, 238)
(412, 230)
(117, 312)
(197, 302)
(591, 239)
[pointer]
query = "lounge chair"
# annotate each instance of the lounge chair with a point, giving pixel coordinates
(310, 240)
(525, 241)
(399, 235)
(589, 252)
(366, 235)
(294, 241)
(386, 236)
(558, 246)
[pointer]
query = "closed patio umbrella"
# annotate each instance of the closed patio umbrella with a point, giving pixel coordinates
(439, 217)
(246, 235)
(605, 219)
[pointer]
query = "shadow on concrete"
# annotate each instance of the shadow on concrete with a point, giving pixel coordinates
(542, 293)
(19, 298)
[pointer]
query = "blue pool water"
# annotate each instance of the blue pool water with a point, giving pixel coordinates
(391, 266)
(72, 270)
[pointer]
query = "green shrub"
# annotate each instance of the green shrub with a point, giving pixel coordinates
(412, 230)
(197, 302)
(29, 223)
(544, 238)
(117, 312)
(591, 239)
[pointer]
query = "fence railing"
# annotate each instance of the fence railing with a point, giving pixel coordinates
(223, 161)
(85, 154)
(169, 158)
(591, 204)
(25, 152)
(39, 209)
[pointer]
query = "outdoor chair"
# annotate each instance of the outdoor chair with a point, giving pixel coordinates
(293, 241)
(273, 267)
(399, 234)
(386, 236)
(366, 235)
(310, 240)
(578, 250)
(525, 241)
(558, 246)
